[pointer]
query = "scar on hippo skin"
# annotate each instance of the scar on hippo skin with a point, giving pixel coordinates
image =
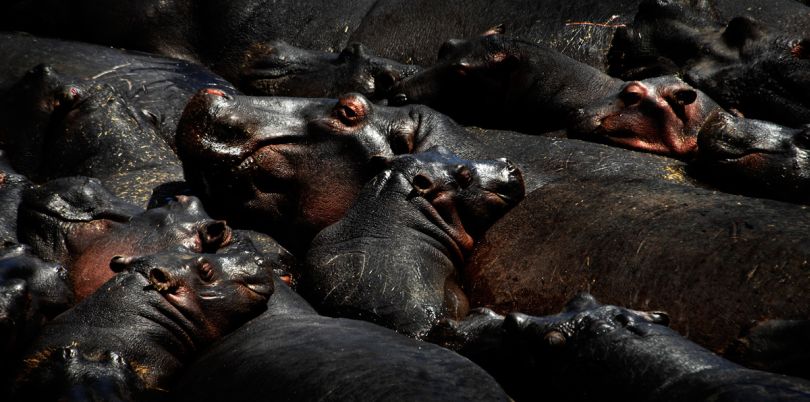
(409, 231)
(754, 157)
(66, 127)
(166, 306)
(279, 69)
(632, 355)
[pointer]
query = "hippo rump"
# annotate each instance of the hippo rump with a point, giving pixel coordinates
(629, 355)
(149, 320)
(294, 354)
(79, 224)
(694, 252)
(755, 157)
(259, 162)
(393, 258)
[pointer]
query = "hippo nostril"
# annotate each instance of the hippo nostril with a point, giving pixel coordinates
(422, 182)
(464, 176)
(214, 235)
(351, 110)
(160, 279)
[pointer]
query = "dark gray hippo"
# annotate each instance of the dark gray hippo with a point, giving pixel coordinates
(628, 355)
(77, 223)
(747, 57)
(294, 354)
(498, 82)
(150, 319)
(393, 258)
(755, 157)
(55, 126)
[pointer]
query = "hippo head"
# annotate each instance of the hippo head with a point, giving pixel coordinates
(78, 223)
(289, 167)
(46, 282)
(469, 80)
(755, 157)
(279, 69)
(462, 197)
(660, 115)
(761, 71)
(216, 292)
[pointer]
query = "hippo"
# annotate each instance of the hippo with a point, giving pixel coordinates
(279, 69)
(754, 157)
(258, 162)
(774, 345)
(409, 230)
(12, 186)
(157, 88)
(629, 355)
(32, 291)
(76, 222)
(498, 82)
(155, 315)
(647, 245)
(58, 126)
(293, 353)
(760, 69)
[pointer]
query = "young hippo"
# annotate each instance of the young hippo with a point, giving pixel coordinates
(59, 126)
(279, 69)
(755, 157)
(628, 355)
(393, 259)
(76, 222)
(500, 82)
(155, 315)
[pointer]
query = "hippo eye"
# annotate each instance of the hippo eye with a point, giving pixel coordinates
(422, 182)
(463, 176)
(630, 97)
(461, 68)
(206, 271)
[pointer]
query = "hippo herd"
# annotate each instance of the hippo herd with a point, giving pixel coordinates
(405, 200)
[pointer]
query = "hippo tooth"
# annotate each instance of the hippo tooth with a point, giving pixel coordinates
(246, 164)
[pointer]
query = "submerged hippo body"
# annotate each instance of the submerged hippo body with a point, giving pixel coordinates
(629, 355)
(315, 358)
(392, 260)
(79, 224)
(755, 157)
(151, 319)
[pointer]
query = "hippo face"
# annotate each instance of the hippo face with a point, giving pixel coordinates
(467, 197)
(757, 157)
(219, 291)
(761, 71)
(279, 69)
(660, 115)
(289, 167)
(46, 282)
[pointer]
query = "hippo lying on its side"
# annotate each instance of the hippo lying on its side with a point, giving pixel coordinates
(56, 126)
(499, 82)
(294, 354)
(76, 222)
(627, 355)
(279, 69)
(393, 259)
(150, 319)
(755, 157)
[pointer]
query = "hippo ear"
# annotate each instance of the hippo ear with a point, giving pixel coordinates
(496, 30)
(682, 97)
(120, 263)
(741, 29)
(581, 302)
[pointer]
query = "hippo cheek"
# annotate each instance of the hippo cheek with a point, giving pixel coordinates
(90, 269)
